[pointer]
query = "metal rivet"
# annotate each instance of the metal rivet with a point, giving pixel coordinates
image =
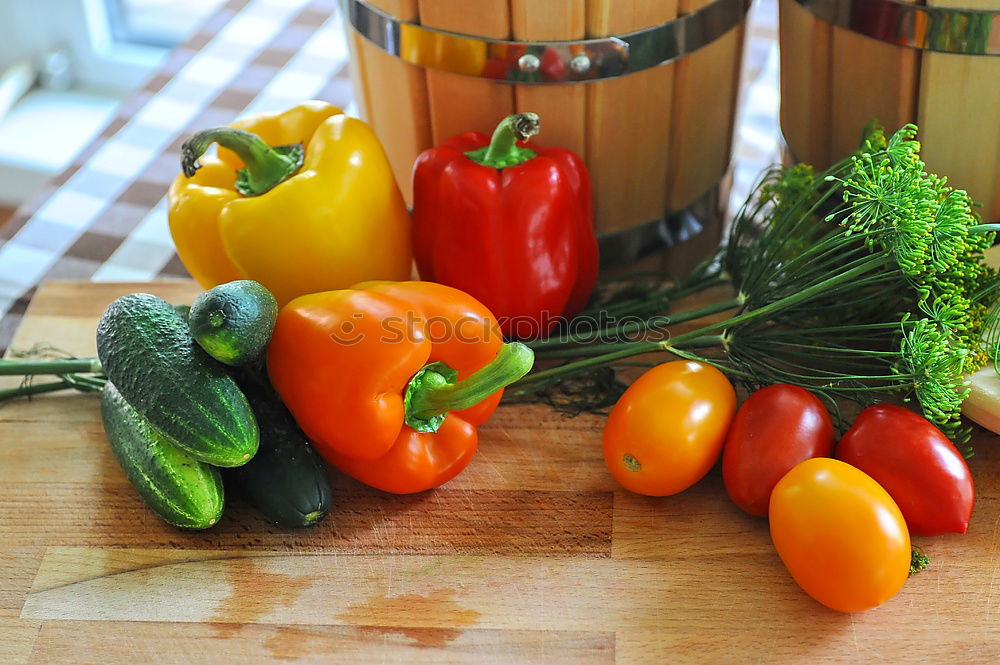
(529, 62)
(580, 64)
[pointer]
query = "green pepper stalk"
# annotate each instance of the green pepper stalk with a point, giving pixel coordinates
(503, 151)
(265, 167)
(434, 391)
(883, 292)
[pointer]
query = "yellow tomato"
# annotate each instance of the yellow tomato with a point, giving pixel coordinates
(840, 535)
(667, 430)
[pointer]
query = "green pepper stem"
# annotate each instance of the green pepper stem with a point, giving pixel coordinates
(264, 167)
(433, 391)
(503, 150)
(62, 366)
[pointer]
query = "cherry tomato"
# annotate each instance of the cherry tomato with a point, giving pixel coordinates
(916, 464)
(775, 429)
(840, 535)
(667, 430)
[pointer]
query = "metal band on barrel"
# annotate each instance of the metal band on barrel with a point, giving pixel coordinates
(540, 63)
(942, 29)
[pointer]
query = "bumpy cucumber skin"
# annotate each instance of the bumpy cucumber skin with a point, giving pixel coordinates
(181, 490)
(148, 353)
(233, 322)
(287, 480)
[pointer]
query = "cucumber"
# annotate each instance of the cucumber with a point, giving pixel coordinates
(148, 353)
(233, 322)
(287, 479)
(181, 490)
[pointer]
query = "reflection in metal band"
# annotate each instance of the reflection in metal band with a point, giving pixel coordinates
(545, 62)
(944, 29)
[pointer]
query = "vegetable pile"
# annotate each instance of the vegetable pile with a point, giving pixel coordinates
(860, 283)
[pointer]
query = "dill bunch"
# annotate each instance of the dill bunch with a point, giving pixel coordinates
(865, 279)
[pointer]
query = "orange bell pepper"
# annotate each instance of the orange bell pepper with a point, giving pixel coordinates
(389, 380)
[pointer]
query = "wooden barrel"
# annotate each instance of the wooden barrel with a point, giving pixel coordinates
(657, 141)
(844, 63)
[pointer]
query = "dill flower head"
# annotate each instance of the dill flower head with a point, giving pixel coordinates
(934, 360)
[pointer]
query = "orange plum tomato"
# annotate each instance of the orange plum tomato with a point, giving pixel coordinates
(667, 430)
(841, 536)
(775, 429)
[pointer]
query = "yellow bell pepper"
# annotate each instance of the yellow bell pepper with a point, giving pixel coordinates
(318, 211)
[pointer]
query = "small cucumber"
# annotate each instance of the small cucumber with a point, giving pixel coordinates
(233, 322)
(181, 490)
(287, 480)
(148, 353)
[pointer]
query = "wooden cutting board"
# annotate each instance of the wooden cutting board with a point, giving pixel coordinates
(532, 555)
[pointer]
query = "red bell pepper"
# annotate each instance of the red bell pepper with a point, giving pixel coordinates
(509, 223)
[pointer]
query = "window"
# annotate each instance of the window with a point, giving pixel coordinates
(162, 23)
(108, 47)
(113, 45)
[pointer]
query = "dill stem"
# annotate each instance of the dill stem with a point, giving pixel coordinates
(629, 326)
(69, 381)
(59, 366)
(688, 289)
(33, 389)
(682, 289)
(608, 353)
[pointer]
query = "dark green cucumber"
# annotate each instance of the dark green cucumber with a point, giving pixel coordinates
(233, 322)
(287, 479)
(148, 353)
(181, 490)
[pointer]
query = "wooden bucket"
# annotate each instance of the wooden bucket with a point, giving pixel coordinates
(621, 83)
(844, 62)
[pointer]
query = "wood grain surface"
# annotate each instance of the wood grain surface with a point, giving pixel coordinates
(532, 555)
